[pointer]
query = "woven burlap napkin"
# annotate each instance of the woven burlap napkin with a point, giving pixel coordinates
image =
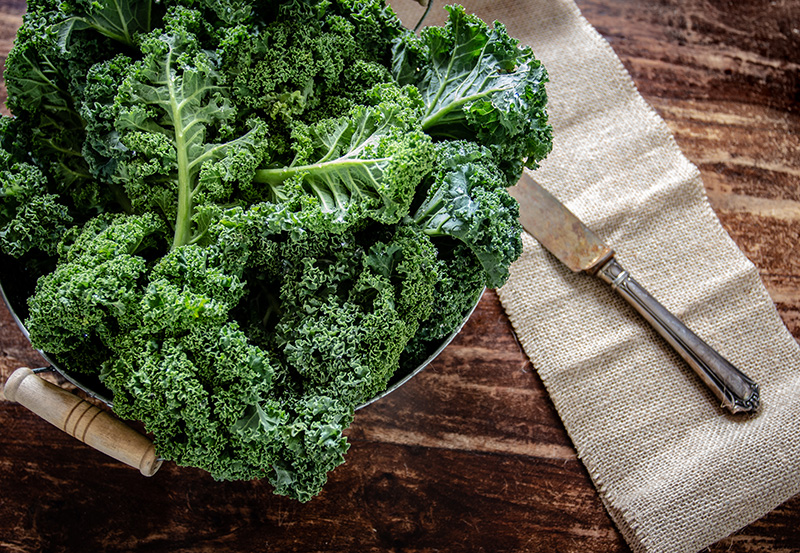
(675, 471)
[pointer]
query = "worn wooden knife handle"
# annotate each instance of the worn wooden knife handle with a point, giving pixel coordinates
(79, 418)
(733, 388)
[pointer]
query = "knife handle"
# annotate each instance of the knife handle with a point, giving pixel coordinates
(734, 389)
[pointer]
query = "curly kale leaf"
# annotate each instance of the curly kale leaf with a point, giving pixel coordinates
(102, 148)
(178, 130)
(95, 290)
(30, 217)
(120, 20)
(193, 391)
(364, 165)
(468, 202)
(314, 61)
(478, 83)
(458, 287)
(310, 445)
(39, 76)
(349, 308)
(43, 84)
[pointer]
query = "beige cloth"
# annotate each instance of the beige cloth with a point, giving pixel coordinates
(675, 472)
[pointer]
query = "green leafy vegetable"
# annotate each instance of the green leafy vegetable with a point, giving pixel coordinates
(365, 164)
(249, 217)
(478, 83)
(468, 201)
(119, 21)
(31, 217)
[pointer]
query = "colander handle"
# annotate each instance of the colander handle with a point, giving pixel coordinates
(79, 418)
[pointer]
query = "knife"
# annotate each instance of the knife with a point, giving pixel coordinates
(567, 238)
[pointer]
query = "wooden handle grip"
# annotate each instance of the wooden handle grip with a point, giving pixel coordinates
(79, 418)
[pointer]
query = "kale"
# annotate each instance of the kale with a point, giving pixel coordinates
(253, 213)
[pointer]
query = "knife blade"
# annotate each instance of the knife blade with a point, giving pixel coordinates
(560, 232)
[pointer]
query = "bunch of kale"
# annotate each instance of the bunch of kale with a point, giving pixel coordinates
(245, 214)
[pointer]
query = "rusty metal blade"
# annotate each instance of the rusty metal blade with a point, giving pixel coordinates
(557, 228)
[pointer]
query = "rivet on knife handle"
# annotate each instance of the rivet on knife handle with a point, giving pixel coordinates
(734, 389)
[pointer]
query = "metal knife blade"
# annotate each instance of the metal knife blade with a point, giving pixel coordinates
(575, 245)
(557, 228)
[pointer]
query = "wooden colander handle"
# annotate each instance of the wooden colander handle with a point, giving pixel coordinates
(93, 426)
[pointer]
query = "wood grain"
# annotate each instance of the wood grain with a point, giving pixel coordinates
(470, 455)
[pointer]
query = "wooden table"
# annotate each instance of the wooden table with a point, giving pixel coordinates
(470, 455)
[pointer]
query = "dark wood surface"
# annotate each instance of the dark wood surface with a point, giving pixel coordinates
(470, 455)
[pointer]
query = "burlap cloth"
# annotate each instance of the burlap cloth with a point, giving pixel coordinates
(675, 472)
